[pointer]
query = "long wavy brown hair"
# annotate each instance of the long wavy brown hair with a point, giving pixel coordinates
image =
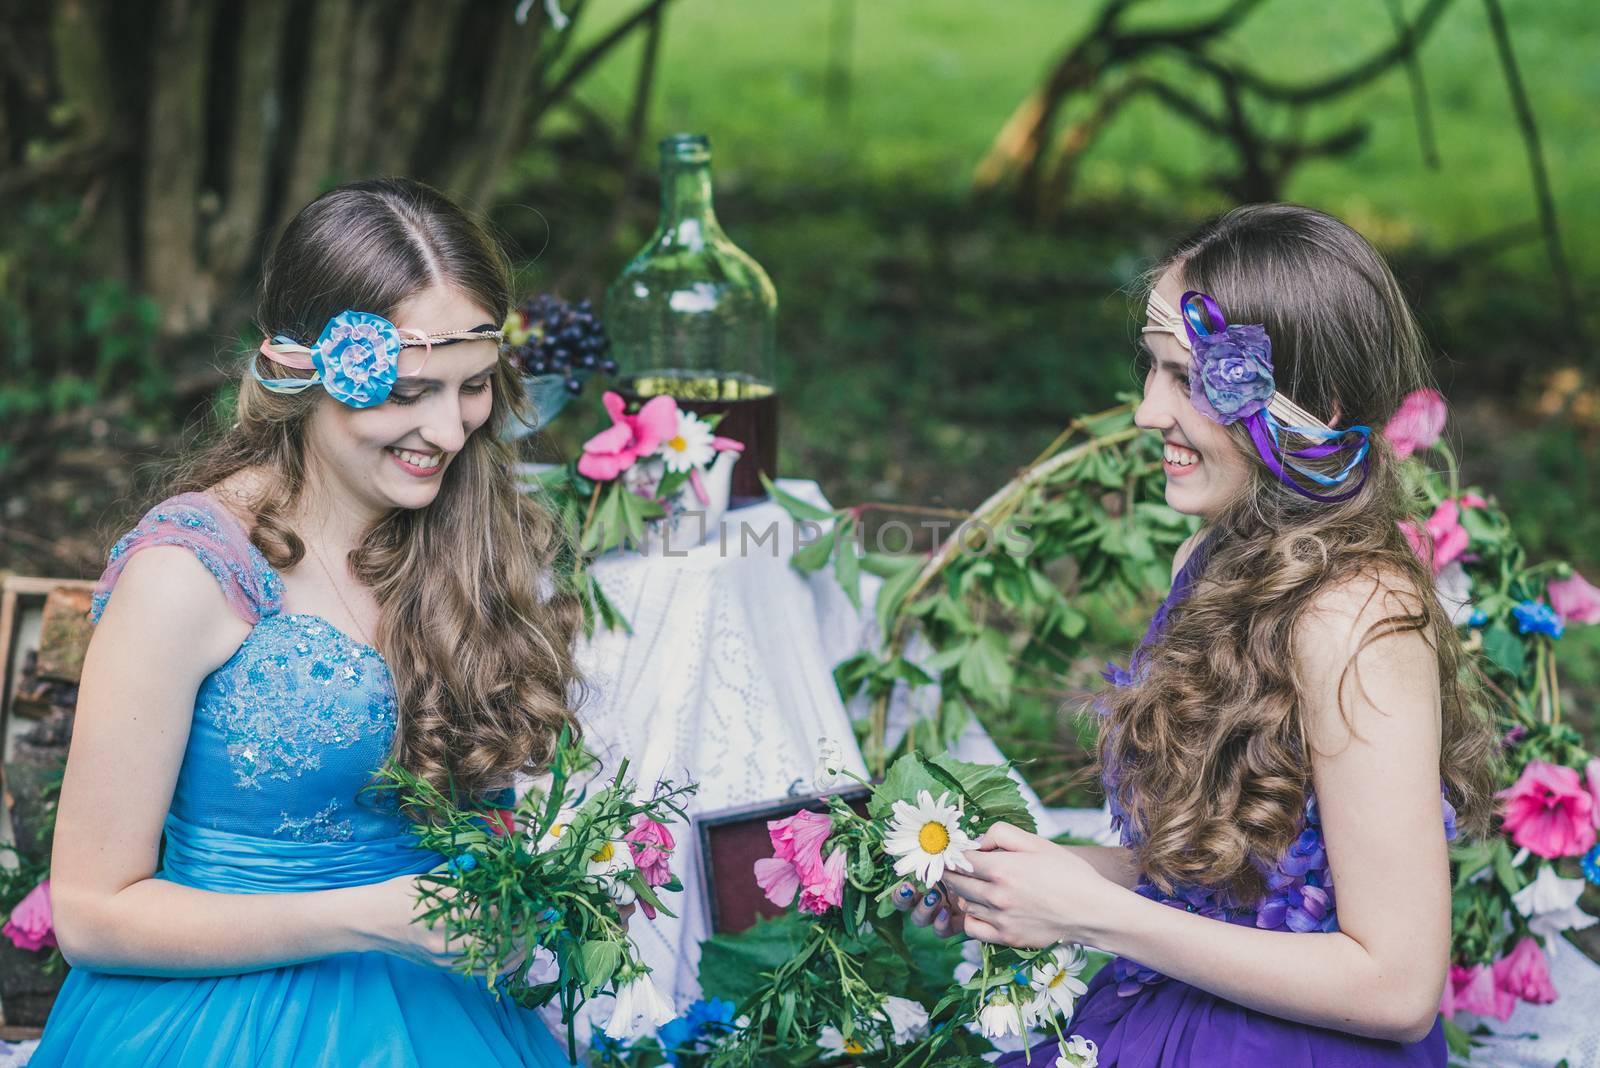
(477, 637)
(1209, 747)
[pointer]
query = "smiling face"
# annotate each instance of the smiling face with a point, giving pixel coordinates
(394, 455)
(1205, 466)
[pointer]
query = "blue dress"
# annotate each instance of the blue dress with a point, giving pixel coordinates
(285, 735)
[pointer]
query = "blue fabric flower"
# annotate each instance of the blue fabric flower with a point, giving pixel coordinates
(1231, 373)
(1478, 618)
(358, 356)
(464, 863)
(1535, 618)
(1591, 865)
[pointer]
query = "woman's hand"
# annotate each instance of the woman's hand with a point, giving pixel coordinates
(934, 907)
(392, 923)
(1029, 892)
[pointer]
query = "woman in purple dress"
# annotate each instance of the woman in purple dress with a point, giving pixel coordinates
(1294, 710)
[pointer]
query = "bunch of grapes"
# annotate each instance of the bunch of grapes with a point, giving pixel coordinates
(547, 336)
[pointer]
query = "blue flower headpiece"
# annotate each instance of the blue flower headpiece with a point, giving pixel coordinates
(357, 358)
(1231, 380)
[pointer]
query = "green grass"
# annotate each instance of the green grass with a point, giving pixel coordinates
(933, 80)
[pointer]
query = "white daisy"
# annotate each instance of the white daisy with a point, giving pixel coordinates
(691, 446)
(908, 1019)
(1078, 1052)
(609, 863)
(1055, 982)
(553, 833)
(832, 1042)
(640, 1009)
(927, 837)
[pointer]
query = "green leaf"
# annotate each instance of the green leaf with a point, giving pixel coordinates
(1504, 649)
(986, 671)
(893, 591)
(794, 505)
(733, 965)
(989, 789)
(599, 959)
(815, 556)
(847, 565)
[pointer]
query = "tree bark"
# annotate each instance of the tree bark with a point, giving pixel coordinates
(174, 141)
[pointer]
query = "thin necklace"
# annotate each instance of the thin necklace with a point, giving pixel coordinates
(354, 619)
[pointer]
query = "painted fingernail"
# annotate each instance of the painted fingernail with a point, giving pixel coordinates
(943, 917)
(906, 890)
(931, 898)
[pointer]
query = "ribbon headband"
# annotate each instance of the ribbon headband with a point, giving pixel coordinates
(1231, 380)
(357, 358)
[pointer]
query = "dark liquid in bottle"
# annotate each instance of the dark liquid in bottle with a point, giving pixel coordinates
(749, 411)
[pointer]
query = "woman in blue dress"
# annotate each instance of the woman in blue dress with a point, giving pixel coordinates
(347, 575)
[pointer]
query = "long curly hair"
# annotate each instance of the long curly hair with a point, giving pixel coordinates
(1209, 749)
(477, 637)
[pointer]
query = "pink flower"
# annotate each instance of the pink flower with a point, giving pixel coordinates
(1591, 775)
(613, 450)
(799, 839)
(828, 891)
(31, 926)
(1525, 973)
(778, 879)
(1417, 423)
(1548, 811)
(501, 821)
(652, 846)
(1474, 990)
(1575, 600)
(1444, 538)
(722, 444)
(1472, 500)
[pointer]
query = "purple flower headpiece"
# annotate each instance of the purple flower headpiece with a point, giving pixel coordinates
(1231, 381)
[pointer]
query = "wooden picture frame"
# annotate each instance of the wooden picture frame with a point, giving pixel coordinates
(22, 605)
(732, 840)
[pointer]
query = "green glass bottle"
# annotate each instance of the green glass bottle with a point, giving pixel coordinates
(694, 316)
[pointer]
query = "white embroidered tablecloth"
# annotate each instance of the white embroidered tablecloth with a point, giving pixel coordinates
(727, 679)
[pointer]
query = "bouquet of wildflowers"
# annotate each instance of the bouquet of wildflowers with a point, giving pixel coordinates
(532, 893)
(834, 997)
(1517, 892)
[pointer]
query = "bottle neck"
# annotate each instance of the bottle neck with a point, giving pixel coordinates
(686, 209)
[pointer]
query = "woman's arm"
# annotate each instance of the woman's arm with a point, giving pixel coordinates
(1377, 784)
(167, 627)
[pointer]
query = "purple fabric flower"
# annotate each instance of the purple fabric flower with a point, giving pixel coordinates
(1233, 370)
(1304, 854)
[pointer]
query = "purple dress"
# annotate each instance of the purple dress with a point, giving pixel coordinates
(1140, 1018)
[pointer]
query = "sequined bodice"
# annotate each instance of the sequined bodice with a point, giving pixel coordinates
(1299, 893)
(289, 730)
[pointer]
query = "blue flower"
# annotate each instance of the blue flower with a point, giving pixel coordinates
(1591, 865)
(358, 356)
(704, 1019)
(676, 1036)
(1478, 618)
(1231, 373)
(710, 1013)
(464, 863)
(606, 1049)
(1535, 618)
